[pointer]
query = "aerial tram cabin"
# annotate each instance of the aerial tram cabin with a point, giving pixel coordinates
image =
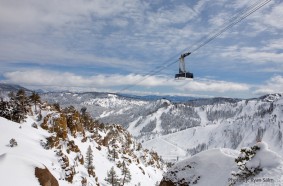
(182, 68)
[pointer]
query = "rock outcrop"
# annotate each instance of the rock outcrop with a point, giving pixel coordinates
(45, 178)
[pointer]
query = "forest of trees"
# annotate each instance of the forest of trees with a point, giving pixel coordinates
(18, 105)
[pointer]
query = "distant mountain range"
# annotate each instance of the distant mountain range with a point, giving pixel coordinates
(183, 126)
(179, 128)
(175, 99)
(11, 87)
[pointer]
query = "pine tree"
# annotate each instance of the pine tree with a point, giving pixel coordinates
(112, 177)
(57, 107)
(89, 161)
(83, 110)
(87, 121)
(112, 154)
(21, 97)
(16, 108)
(11, 95)
(13, 143)
(35, 98)
(10, 107)
(20, 106)
(126, 174)
(245, 172)
(5, 110)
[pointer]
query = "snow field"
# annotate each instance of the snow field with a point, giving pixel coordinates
(19, 162)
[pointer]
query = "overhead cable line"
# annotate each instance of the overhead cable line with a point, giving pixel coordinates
(227, 22)
(205, 40)
(236, 21)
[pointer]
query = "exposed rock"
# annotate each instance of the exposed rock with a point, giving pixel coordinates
(45, 178)
(170, 183)
(166, 183)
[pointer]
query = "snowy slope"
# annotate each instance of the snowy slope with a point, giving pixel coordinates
(227, 125)
(215, 167)
(20, 161)
(210, 167)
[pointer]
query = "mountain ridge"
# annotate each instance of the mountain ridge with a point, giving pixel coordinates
(228, 119)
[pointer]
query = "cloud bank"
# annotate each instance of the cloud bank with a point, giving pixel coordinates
(40, 78)
(60, 43)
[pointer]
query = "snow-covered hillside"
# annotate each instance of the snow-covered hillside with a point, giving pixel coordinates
(46, 143)
(256, 166)
(227, 125)
(190, 127)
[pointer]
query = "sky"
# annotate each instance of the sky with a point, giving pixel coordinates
(133, 46)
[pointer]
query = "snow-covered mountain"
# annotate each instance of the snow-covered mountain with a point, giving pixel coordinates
(185, 128)
(59, 141)
(179, 130)
(226, 125)
(194, 132)
(11, 87)
(112, 108)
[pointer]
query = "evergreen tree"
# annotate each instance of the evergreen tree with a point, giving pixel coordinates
(57, 107)
(87, 121)
(112, 177)
(10, 107)
(89, 157)
(13, 143)
(21, 106)
(11, 95)
(22, 98)
(35, 98)
(245, 172)
(5, 112)
(126, 174)
(83, 110)
(112, 154)
(89, 161)
(15, 109)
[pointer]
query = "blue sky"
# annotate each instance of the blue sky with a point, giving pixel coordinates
(108, 45)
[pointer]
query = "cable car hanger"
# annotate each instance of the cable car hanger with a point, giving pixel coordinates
(182, 68)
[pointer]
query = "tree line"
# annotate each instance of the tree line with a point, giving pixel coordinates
(18, 105)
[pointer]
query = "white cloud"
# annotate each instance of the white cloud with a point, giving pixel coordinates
(219, 19)
(254, 55)
(214, 86)
(61, 12)
(266, 20)
(273, 18)
(39, 31)
(273, 85)
(53, 79)
(274, 44)
(175, 15)
(49, 54)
